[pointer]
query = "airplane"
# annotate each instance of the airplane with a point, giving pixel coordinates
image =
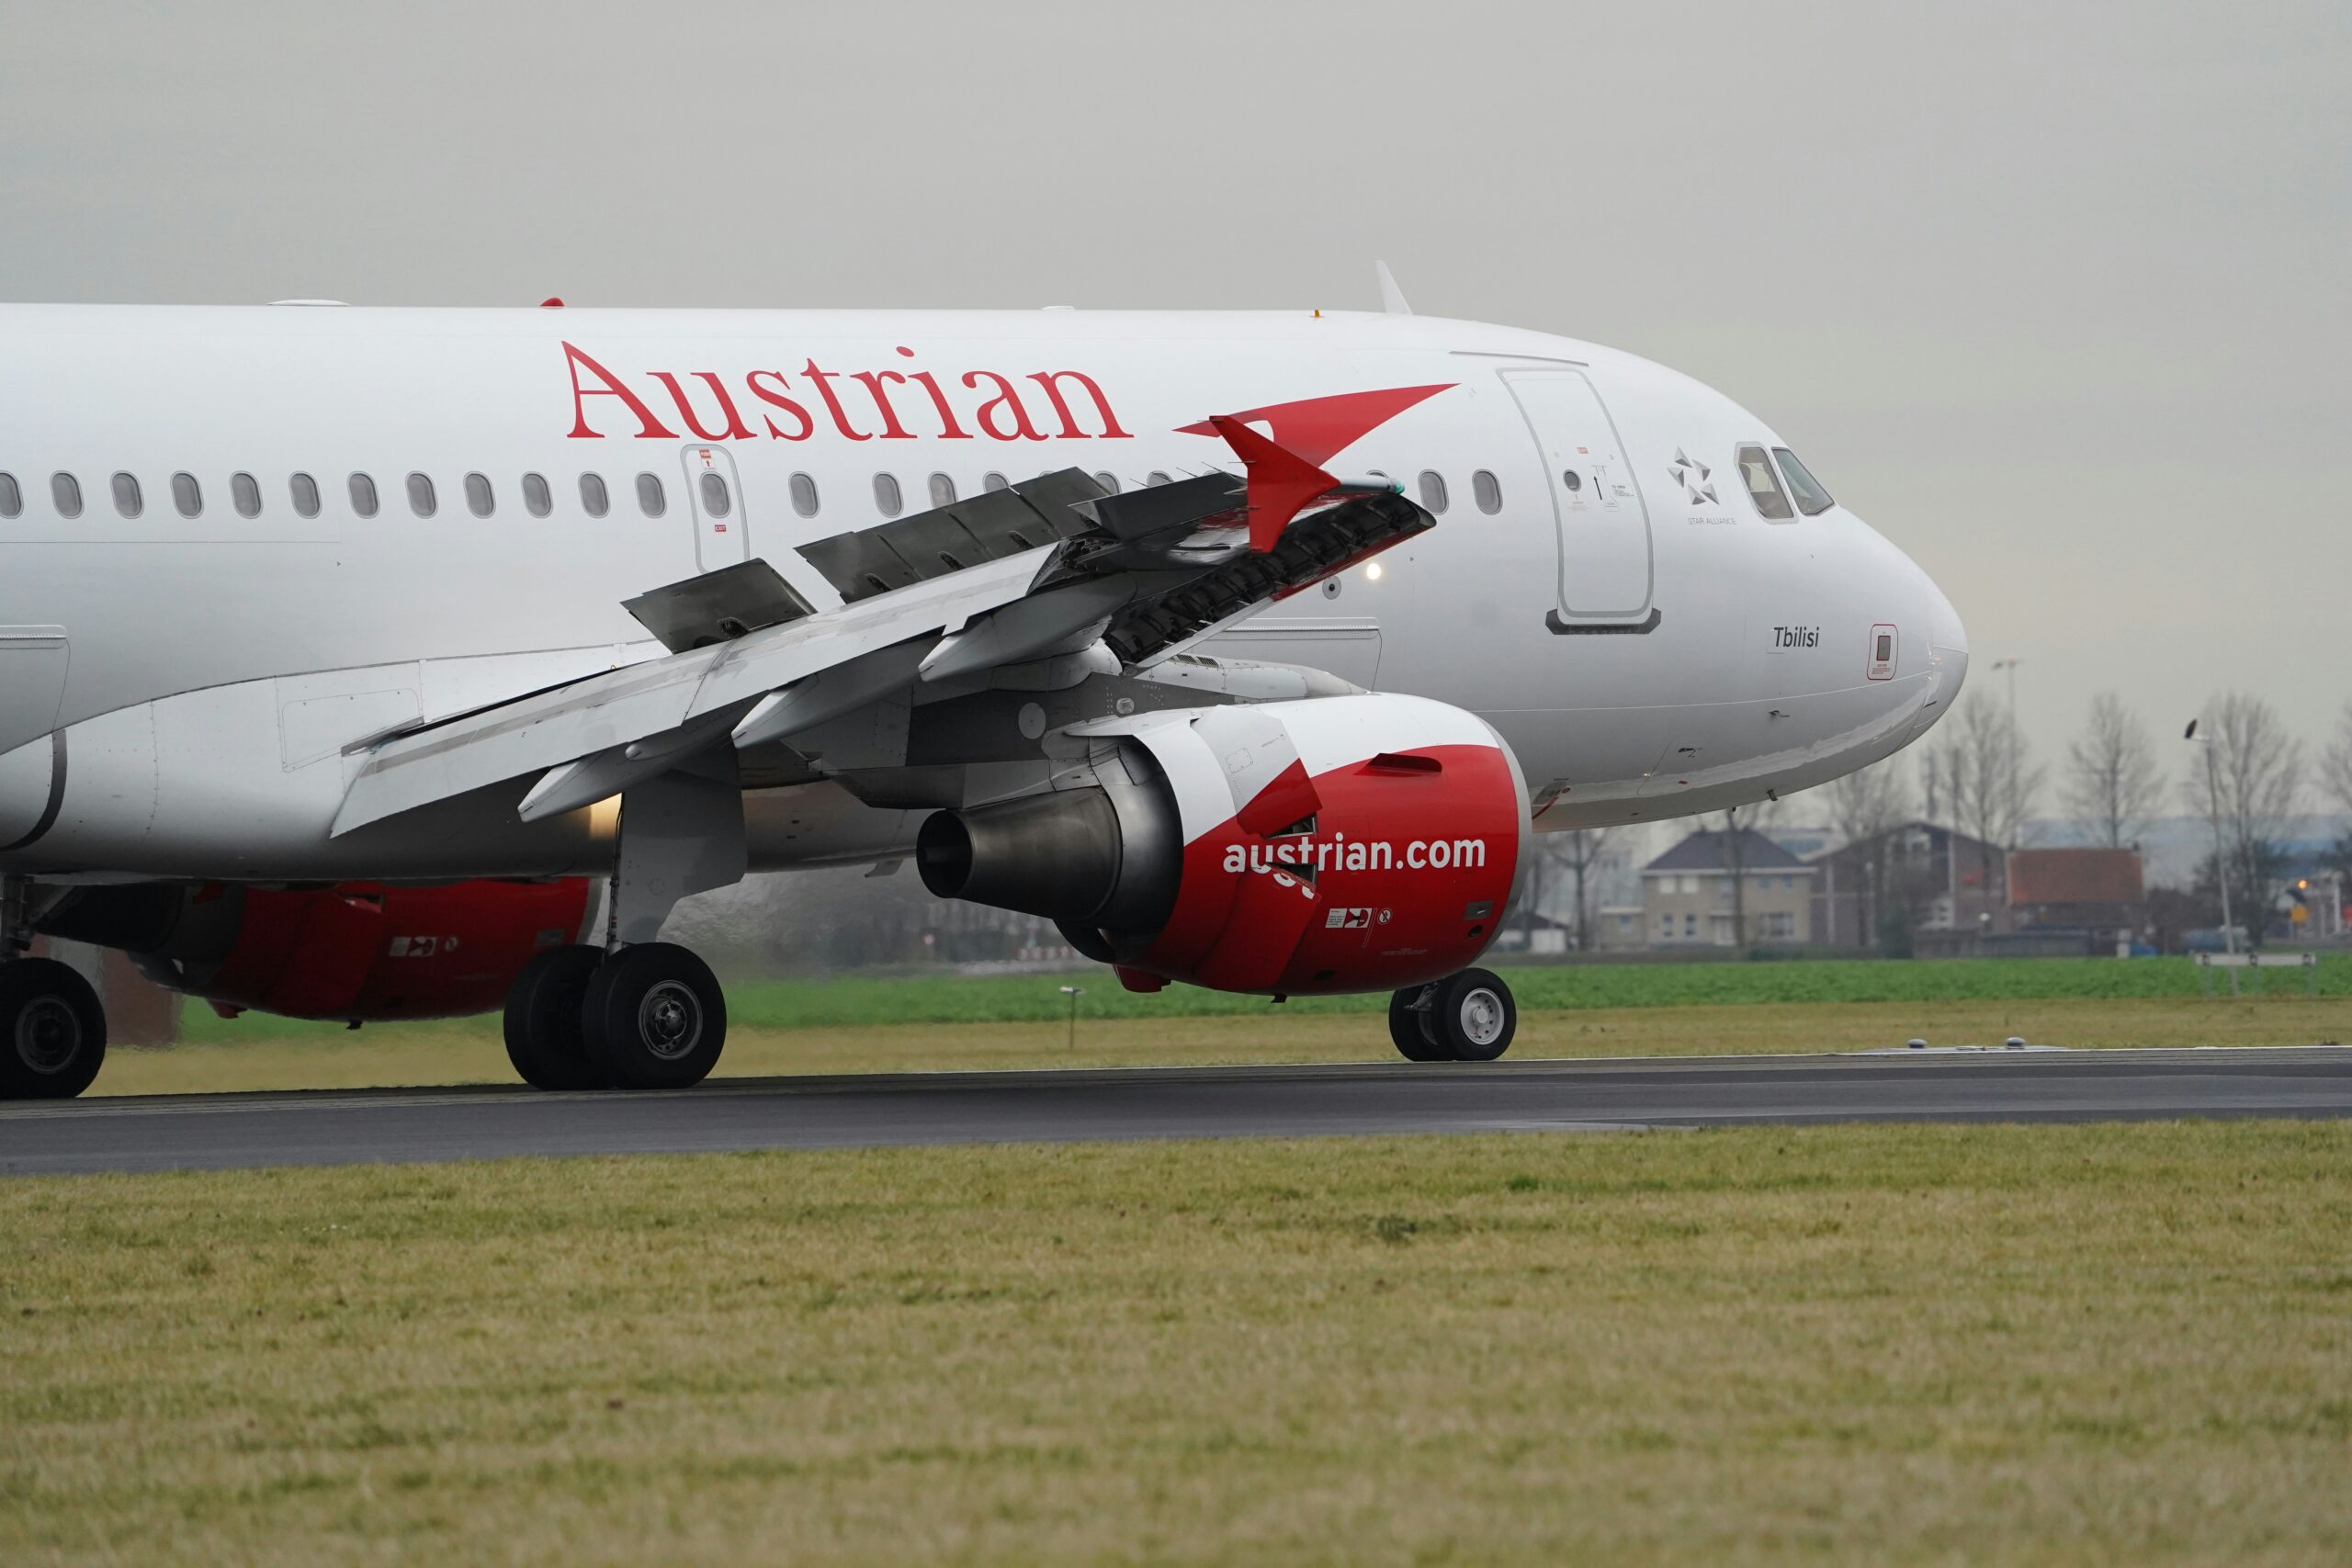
(369, 663)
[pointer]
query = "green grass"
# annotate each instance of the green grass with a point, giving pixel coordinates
(1037, 998)
(1888, 1345)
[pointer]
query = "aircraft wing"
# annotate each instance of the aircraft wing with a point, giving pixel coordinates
(1006, 577)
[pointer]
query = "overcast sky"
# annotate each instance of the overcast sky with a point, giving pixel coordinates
(2058, 303)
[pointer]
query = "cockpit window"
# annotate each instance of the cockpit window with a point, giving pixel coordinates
(1756, 472)
(1812, 499)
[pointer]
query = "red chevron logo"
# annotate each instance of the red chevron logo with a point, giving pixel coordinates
(1319, 429)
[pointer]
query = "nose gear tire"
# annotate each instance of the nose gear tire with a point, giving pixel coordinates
(544, 1010)
(654, 1018)
(52, 1030)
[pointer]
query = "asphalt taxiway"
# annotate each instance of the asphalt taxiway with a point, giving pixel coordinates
(358, 1126)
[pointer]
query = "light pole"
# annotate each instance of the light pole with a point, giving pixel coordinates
(2213, 810)
(2011, 666)
(2015, 762)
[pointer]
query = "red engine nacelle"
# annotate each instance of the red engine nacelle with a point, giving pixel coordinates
(353, 951)
(1342, 844)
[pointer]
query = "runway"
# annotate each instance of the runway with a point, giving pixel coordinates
(361, 1126)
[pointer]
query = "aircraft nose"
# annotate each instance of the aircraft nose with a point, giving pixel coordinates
(1947, 638)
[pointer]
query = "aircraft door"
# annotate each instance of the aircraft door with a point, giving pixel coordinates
(1608, 574)
(32, 682)
(715, 501)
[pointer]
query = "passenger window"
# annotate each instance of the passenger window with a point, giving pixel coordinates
(1756, 472)
(1812, 499)
(803, 495)
(480, 499)
(305, 491)
(538, 500)
(65, 493)
(12, 499)
(886, 495)
(421, 498)
(186, 495)
(593, 500)
(126, 495)
(1433, 492)
(1487, 491)
(716, 501)
(1155, 478)
(943, 490)
(244, 490)
(993, 482)
(363, 495)
(651, 498)
(1109, 483)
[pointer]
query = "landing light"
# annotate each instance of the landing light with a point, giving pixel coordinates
(1372, 572)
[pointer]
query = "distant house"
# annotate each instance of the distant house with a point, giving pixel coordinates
(2098, 892)
(1620, 927)
(1528, 931)
(1882, 891)
(1688, 894)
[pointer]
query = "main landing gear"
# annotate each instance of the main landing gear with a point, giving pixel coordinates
(639, 1013)
(1468, 1017)
(52, 1030)
(650, 1016)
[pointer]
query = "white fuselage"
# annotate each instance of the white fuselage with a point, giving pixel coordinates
(1648, 642)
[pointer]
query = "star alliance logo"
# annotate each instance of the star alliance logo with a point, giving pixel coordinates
(1693, 477)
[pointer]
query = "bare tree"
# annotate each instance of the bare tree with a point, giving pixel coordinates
(1579, 850)
(1864, 806)
(2252, 782)
(1760, 815)
(1988, 778)
(2112, 778)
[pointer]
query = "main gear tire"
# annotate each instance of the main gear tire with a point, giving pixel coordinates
(52, 1030)
(1472, 1016)
(1409, 1025)
(544, 1011)
(654, 1018)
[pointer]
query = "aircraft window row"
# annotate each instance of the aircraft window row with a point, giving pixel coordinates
(718, 498)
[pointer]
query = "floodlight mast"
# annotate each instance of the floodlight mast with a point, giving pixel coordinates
(2213, 811)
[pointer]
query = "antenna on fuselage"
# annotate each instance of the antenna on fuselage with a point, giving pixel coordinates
(1392, 298)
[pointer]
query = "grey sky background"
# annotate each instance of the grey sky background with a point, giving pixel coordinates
(2056, 301)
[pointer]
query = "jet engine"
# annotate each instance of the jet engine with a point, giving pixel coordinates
(1338, 844)
(353, 951)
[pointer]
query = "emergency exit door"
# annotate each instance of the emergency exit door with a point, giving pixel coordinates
(714, 501)
(1608, 574)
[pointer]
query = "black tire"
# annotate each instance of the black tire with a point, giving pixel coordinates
(543, 1019)
(1409, 1026)
(52, 1030)
(654, 1018)
(1472, 1016)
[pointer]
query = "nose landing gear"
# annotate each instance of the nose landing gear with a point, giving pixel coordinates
(1468, 1017)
